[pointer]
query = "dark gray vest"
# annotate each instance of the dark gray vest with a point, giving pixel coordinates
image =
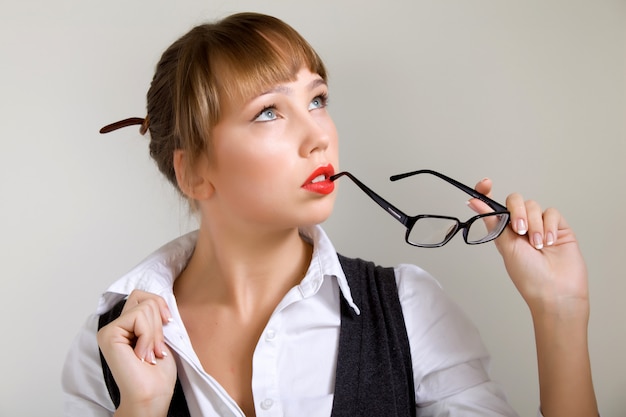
(374, 376)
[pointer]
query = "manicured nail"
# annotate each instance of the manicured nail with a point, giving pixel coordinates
(549, 239)
(170, 319)
(152, 358)
(538, 241)
(521, 227)
(164, 353)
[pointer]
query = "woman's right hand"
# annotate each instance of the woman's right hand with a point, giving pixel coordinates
(141, 363)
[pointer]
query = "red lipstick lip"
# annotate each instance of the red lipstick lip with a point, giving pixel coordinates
(327, 171)
(326, 186)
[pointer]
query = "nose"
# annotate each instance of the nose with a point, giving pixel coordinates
(318, 131)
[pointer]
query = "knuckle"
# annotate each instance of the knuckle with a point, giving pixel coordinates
(515, 200)
(101, 335)
(552, 211)
(532, 204)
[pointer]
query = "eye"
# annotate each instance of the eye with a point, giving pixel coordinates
(319, 102)
(267, 114)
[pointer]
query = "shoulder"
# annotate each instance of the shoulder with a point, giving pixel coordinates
(431, 315)
(414, 281)
(155, 274)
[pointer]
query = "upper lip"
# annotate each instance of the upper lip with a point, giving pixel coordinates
(326, 171)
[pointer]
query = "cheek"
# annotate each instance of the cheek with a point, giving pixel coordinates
(256, 170)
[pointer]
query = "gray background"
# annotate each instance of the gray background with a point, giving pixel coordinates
(530, 93)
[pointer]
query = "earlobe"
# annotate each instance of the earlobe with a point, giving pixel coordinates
(191, 178)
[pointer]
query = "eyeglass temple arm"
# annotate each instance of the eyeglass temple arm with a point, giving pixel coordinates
(387, 206)
(491, 203)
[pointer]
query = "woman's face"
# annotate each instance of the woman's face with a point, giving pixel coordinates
(272, 156)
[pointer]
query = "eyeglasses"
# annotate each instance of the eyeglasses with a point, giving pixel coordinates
(433, 231)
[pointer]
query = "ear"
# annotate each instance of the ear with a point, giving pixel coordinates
(192, 179)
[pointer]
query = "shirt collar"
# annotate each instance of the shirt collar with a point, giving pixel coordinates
(156, 273)
(324, 264)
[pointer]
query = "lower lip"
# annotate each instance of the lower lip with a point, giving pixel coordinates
(322, 187)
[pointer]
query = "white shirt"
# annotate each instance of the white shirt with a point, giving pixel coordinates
(295, 359)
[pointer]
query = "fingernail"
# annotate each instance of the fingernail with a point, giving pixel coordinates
(164, 353)
(170, 319)
(521, 227)
(152, 358)
(538, 241)
(549, 239)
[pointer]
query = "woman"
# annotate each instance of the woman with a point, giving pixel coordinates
(251, 314)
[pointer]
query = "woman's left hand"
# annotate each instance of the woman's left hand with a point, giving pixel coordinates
(542, 256)
(543, 259)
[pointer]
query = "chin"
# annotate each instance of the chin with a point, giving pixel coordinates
(319, 213)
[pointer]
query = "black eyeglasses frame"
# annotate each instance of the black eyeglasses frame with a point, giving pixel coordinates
(409, 221)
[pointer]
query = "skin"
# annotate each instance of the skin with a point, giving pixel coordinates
(543, 259)
(251, 201)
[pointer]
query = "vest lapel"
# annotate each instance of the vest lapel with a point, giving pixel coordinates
(374, 367)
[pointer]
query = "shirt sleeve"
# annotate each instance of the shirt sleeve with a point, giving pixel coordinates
(84, 391)
(450, 361)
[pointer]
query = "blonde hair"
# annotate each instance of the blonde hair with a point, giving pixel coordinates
(234, 58)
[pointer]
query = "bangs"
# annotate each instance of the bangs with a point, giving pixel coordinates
(260, 58)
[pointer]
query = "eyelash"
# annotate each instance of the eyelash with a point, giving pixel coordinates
(322, 97)
(264, 109)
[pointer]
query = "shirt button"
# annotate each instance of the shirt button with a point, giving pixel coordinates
(267, 403)
(270, 335)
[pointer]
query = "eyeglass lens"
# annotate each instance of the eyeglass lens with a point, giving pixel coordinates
(437, 230)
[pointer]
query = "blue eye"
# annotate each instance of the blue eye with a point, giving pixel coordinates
(267, 114)
(319, 102)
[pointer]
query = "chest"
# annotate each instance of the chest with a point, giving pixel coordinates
(224, 345)
(284, 362)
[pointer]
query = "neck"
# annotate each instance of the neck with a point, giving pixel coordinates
(245, 272)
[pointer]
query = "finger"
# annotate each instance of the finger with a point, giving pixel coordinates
(551, 220)
(142, 319)
(138, 296)
(130, 330)
(163, 316)
(519, 219)
(484, 186)
(149, 331)
(536, 231)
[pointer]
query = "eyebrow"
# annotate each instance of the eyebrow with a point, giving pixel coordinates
(283, 89)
